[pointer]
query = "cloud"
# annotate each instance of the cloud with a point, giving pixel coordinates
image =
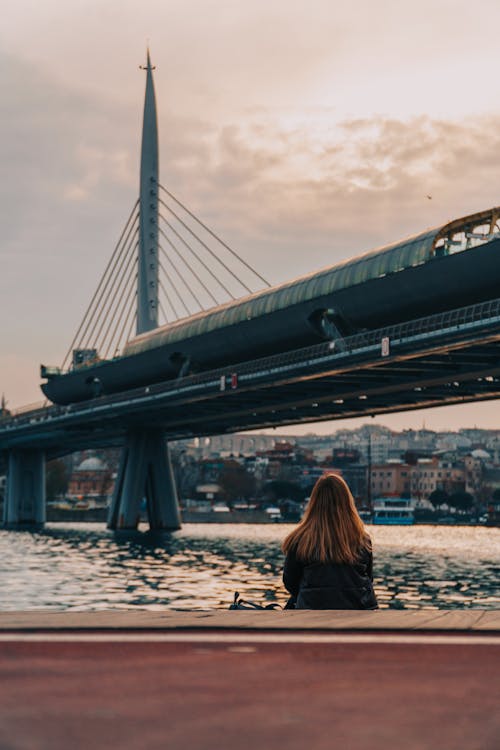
(366, 183)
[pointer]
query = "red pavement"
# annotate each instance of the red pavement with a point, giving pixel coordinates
(206, 696)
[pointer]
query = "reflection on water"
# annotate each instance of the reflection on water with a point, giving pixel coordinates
(86, 567)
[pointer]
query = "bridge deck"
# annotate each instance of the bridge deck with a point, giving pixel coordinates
(448, 358)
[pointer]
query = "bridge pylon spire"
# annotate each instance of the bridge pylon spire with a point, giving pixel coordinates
(147, 279)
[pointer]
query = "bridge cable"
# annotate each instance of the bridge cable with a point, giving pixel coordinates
(126, 289)
(116, 284)
(162, 310)
(72, 345)
(200, 281)
(112, 304)
(105, 310)
(109, 284)
(132, 280)
(167, 276)
(214, 255)
(207, 229)
(162, 267)
(181, 278)
(132, 308)
(169, 301)
(115, 256)
(189, 267)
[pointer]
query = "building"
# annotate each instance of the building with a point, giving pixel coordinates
(431, 474)
(91, 479)
(391, 479)
(428, 474)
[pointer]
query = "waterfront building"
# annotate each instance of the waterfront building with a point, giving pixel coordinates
(92, 479)
(474, 469)
(391, 479)
(430, 474)
(421, 479)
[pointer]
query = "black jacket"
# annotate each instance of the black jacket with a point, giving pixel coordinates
(331, 585)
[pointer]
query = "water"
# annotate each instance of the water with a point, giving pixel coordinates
(85, 567)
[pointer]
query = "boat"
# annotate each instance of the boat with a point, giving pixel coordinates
(398, 511)
(274, 514)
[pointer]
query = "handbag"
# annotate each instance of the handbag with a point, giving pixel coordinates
(243, 604)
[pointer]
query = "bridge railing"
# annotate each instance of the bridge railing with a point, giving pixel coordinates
(337, 349)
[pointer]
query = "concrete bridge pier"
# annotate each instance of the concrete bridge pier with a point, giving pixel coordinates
(145, 472)
(25, 488)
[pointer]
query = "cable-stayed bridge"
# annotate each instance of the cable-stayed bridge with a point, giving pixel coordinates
(196, 271)
(183, 337)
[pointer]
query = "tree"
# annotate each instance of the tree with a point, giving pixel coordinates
(439, 497)
(236, 481)
(461, 500)
(56, 479)
(284, 490)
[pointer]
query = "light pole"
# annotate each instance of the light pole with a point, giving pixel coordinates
(369, 479)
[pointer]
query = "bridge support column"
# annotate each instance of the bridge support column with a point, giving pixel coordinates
(145, 472)
(25, 488)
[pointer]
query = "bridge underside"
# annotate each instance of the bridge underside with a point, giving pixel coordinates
(447, 359)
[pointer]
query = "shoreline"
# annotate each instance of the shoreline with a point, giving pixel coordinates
(99, 515)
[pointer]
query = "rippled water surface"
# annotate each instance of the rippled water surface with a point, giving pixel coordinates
(85, 567)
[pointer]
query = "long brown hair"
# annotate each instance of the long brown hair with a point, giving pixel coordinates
(331, 529)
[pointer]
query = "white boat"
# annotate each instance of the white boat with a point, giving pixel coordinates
(393, 510)
(274, 513)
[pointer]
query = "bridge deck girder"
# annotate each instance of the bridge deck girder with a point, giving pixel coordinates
(433, 368)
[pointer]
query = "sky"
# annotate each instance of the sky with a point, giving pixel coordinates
(303, 132)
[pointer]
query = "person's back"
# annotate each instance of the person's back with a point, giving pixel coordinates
(328, 561)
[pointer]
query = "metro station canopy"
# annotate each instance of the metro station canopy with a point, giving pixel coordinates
(455, 236)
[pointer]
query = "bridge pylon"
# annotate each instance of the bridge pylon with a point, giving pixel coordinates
(145, 469)
(24, 503)
(145, 473)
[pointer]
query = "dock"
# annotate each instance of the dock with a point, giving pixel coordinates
(211, 680)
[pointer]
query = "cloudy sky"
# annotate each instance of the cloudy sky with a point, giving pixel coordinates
(303, 132)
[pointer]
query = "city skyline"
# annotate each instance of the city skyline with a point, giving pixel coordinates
(292, 153)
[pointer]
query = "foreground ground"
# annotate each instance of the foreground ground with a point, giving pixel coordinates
(246, 686)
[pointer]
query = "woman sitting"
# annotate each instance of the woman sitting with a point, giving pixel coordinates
(329, 560)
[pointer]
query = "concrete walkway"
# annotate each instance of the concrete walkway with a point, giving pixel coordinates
(250, 680)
